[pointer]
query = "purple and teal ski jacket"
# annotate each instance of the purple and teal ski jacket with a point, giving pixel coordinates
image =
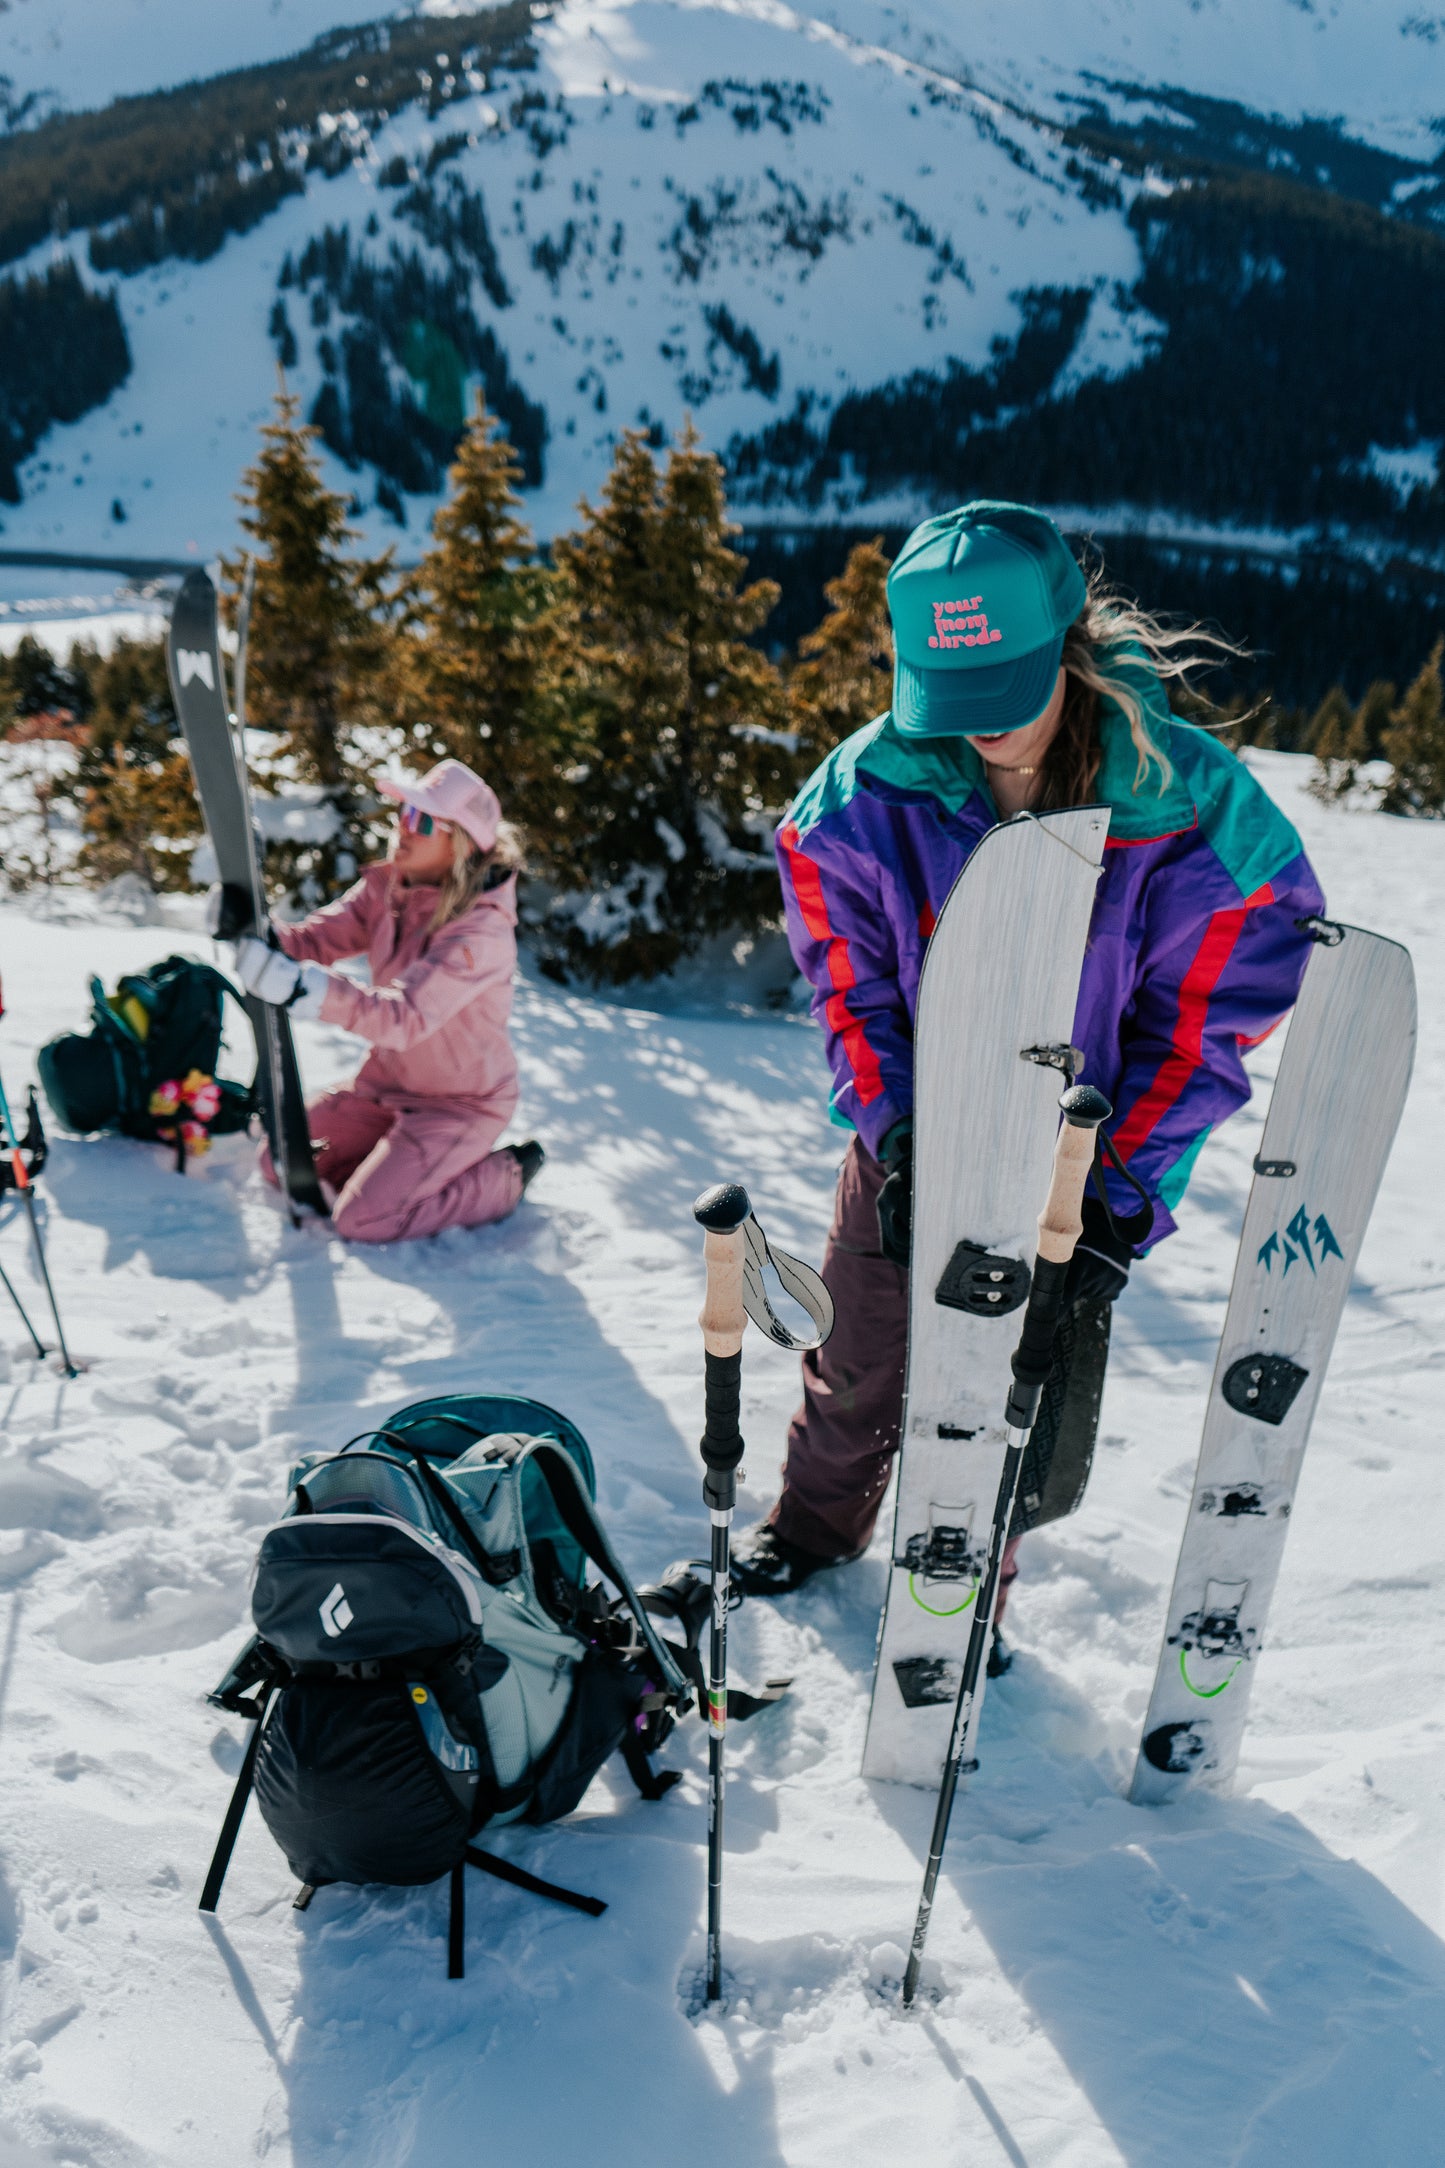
(1195, 952)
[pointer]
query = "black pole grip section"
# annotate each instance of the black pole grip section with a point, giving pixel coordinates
(1034, 1353)
(722, 1442)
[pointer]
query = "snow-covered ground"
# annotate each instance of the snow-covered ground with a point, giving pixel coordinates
(1257, 1980)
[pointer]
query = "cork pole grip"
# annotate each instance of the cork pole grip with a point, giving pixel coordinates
(1060, 1222)
(722, 1316)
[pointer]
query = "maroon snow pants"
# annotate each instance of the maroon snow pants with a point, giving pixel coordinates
(842, 1441)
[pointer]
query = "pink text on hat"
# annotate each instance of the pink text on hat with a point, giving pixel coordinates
(962, 623)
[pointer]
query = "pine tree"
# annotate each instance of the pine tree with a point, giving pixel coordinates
(1375, 712)
(132, 781)
(37, 685)
(1415, 745)
(1336, 739)
(686, 760)
(319, 640)
(43, 710)
(846, 677)
(1330, 725)
(467, 667)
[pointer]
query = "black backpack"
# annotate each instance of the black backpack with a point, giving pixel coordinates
(145, 1067)
(433, 1657)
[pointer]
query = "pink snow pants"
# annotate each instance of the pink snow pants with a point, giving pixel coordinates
(403, 1172)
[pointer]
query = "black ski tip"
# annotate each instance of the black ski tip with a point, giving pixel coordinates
(197, 586)
(722, 1208)
(1084, 1106)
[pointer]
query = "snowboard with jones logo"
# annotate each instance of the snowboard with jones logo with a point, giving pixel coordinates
(995, 1016)
(193, 654)
(1342, 1080)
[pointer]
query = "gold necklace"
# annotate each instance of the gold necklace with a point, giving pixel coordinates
(999, 769)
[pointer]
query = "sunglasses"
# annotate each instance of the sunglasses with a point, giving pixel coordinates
(417, 823)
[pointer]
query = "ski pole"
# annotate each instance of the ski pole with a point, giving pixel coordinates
(723, 1212)
(1060, 1226)
(5, 1281)
(27, 1191)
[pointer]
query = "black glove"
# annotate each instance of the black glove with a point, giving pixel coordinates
(230, 911)
(895, 1199)
(1099, 1268)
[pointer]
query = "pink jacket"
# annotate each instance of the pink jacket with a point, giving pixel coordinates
(437, 1007)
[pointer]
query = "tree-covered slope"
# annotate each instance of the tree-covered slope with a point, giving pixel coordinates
(879, 270)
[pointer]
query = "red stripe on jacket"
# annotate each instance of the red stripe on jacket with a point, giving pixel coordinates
(1187, 1046)
(808, 888)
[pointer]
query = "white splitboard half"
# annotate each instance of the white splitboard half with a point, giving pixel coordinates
(1000, 977)
(1332, 1119)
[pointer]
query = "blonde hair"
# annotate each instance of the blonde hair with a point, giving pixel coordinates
(1108, 650)
(473, 872)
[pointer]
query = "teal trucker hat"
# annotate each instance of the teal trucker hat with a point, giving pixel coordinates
(980, 600)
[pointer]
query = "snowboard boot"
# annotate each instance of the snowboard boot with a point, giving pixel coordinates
(531, 1158)
(766, 1564)
(1000, 1656)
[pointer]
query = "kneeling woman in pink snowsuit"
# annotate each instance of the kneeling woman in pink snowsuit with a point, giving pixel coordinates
(409, 1148)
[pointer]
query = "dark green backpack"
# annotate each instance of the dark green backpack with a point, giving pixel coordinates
(148, 1067)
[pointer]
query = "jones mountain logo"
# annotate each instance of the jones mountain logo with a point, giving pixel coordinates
(336, 1612)
(1310, 1239)
(195, 662)
(962, 623)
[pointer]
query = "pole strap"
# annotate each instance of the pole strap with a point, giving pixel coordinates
(796, 1279)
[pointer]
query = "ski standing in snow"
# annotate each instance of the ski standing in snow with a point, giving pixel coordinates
(216, 748)
(1060, 1226)
(1333, 1114)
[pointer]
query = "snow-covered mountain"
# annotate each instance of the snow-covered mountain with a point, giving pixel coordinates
(823, 235)
(78, 53)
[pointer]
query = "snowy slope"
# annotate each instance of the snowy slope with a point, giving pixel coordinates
(1258, 1981)
(871, 230)
(867, 192)
(1379, 65)
(79, 53)
(1374, 62)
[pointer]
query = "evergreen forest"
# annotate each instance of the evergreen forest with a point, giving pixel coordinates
(627, 692)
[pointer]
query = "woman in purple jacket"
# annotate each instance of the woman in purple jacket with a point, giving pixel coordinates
(1017, 685)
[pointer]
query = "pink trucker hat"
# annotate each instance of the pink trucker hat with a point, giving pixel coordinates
(451, 793)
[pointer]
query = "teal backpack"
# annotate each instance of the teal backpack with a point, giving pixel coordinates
(446, 1641)
(148, 1066)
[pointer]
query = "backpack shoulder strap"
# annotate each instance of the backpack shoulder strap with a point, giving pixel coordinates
(216, 978)
(569, 1495)
(231, 1827)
